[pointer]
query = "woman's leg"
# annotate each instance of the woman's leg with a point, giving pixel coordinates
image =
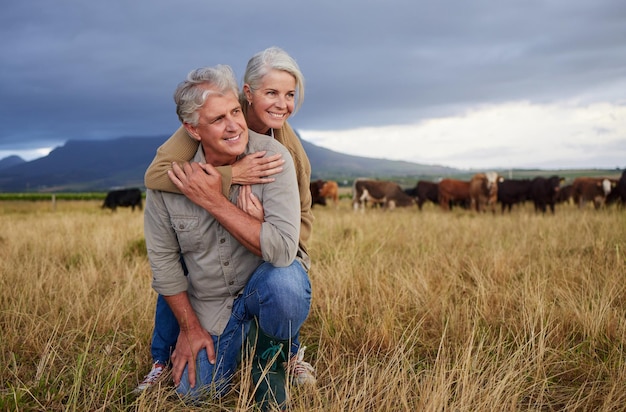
(165, 332)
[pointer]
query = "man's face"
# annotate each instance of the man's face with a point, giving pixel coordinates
(221, 129)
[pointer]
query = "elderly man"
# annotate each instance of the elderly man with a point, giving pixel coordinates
(239, 251)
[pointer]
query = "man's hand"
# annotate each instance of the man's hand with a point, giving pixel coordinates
(199, 182)
(249, 203)
(202, 184)
(256, 169)
(189, 343)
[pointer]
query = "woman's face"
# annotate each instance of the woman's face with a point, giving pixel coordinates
(272, 102)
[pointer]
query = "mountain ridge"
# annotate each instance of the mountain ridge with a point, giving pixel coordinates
(101, 165)
(11, 161)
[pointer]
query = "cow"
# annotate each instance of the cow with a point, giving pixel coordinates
(453, 191)
(316, 193)
(483, 191)
(330, 189)
(591, 189)
(565, 194)
(424, 191)
(543, 192)
(618, 193)
(620, 188)
(124, 198)
(512, 192)
(389, 194)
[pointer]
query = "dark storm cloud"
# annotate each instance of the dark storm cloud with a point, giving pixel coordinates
(79, 70)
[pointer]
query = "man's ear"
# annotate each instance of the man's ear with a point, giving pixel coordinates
(192, 131)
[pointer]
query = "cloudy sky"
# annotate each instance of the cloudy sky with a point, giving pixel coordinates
(470, 84)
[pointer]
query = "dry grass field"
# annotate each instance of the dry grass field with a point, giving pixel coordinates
(412, 311)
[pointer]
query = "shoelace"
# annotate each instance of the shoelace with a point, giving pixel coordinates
(298, 364)
(270, 352)
(301, 371)
(154, 374)
(300, 354)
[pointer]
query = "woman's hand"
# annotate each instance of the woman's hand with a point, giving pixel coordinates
(249, 203)
(255, 169)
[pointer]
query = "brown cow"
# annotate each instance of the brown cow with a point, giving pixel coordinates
(483, 191)
(452, 191)
(591, 189)
(330, 189)
(389, 194)
(316, 189)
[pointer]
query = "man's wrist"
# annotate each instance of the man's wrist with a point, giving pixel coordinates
(189, 322)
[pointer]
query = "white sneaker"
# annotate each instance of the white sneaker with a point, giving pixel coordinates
(151, 379)
(301, 372)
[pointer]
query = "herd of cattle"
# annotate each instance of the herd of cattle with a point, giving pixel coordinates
(481, 193)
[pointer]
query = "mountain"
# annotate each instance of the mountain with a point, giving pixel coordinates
(83, 166)
(10, 162)
(327, 164)
(80, 166)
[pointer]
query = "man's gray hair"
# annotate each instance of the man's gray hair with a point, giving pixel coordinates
(191, 94)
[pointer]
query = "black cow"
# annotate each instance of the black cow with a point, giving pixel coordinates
(124, 197)
(316, 193)
(424, 191)
(566, 193)
(619, 191)
(543, 192)
(512, 191)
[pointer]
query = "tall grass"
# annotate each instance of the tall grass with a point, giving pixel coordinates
(411, 310)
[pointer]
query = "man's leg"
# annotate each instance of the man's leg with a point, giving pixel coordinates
(214, 381)
(280, 299)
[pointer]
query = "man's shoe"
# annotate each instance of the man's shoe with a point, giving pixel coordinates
(151, 379)
(301, 372)
(268, 378)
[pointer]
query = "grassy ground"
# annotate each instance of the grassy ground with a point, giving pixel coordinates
(411, 311)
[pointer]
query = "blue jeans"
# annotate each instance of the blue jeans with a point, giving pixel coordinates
(279, 298)
(165, 332)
